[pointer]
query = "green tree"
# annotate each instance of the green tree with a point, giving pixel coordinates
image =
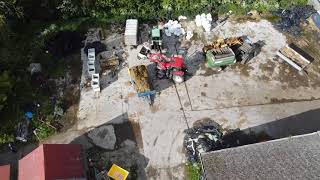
(6, 85)
(10, 9)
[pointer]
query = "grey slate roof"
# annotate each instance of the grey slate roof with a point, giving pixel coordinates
(295, 157)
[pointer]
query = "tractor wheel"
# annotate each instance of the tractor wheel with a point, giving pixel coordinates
(177, 79)
(160, 74)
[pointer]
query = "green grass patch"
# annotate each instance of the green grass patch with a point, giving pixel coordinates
(42, 127)
(193, 171)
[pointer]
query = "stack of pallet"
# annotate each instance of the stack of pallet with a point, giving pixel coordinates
(131, 32)
(295, 57)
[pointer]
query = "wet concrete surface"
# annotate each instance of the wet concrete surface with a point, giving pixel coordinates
(241, 96)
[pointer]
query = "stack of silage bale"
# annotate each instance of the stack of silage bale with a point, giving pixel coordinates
(130, 34)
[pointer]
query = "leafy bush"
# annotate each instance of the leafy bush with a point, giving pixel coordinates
(5, 138)
(43, 130)
(193, 171)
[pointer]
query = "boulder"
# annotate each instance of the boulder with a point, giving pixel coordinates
(103, 137)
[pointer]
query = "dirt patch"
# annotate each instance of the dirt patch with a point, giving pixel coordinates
(279, 101)
(154, 108)
(315, 83)
(131, 94)
(172, 173)
(309, 43)
(208, 71)
(125, 100)
(283, 87)
(152, 172)
(241, 122)
(69, 118)
(186, 104)
(264, 78)
(71, 96)
(245, 70)
(135, 116)
(128, 83)
(137, 133)
(268, 67)
(291, 77)
(223, 121)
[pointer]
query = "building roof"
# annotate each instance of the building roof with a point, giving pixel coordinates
(5, 172)
(295, 157)
(51, 162)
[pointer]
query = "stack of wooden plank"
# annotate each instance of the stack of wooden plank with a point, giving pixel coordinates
(295, 57)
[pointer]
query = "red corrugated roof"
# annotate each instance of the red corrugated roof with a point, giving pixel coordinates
(5, 172)
(52, 161)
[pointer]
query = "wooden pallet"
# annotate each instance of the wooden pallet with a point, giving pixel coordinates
(139, 76)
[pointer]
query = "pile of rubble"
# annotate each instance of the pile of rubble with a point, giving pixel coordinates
(201, 139)
(292, 18)
(102, 58)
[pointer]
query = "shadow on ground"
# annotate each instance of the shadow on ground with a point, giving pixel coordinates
(303, 123)
(116, 142)
(8, 157)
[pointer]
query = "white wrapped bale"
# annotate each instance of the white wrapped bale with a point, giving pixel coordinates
(131, 32)
(204, 21)
(198, 20)
(173, 27)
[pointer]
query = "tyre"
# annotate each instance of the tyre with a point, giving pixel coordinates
(160, 74)
(177, 79)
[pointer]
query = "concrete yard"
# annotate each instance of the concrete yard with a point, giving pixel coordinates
(249, 97)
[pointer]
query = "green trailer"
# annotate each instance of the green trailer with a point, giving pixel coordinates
(220, 57)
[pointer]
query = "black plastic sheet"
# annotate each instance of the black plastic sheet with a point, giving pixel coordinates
(201, 139)
(291, 19)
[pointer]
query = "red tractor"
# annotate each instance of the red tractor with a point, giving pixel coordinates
(173, 68)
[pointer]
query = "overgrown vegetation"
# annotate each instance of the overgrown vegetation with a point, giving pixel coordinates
(147, 9)
(26, 25)
(193, 171)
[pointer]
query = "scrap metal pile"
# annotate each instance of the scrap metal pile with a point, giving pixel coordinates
(292, 18)
(201, 139)
(223, 52)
